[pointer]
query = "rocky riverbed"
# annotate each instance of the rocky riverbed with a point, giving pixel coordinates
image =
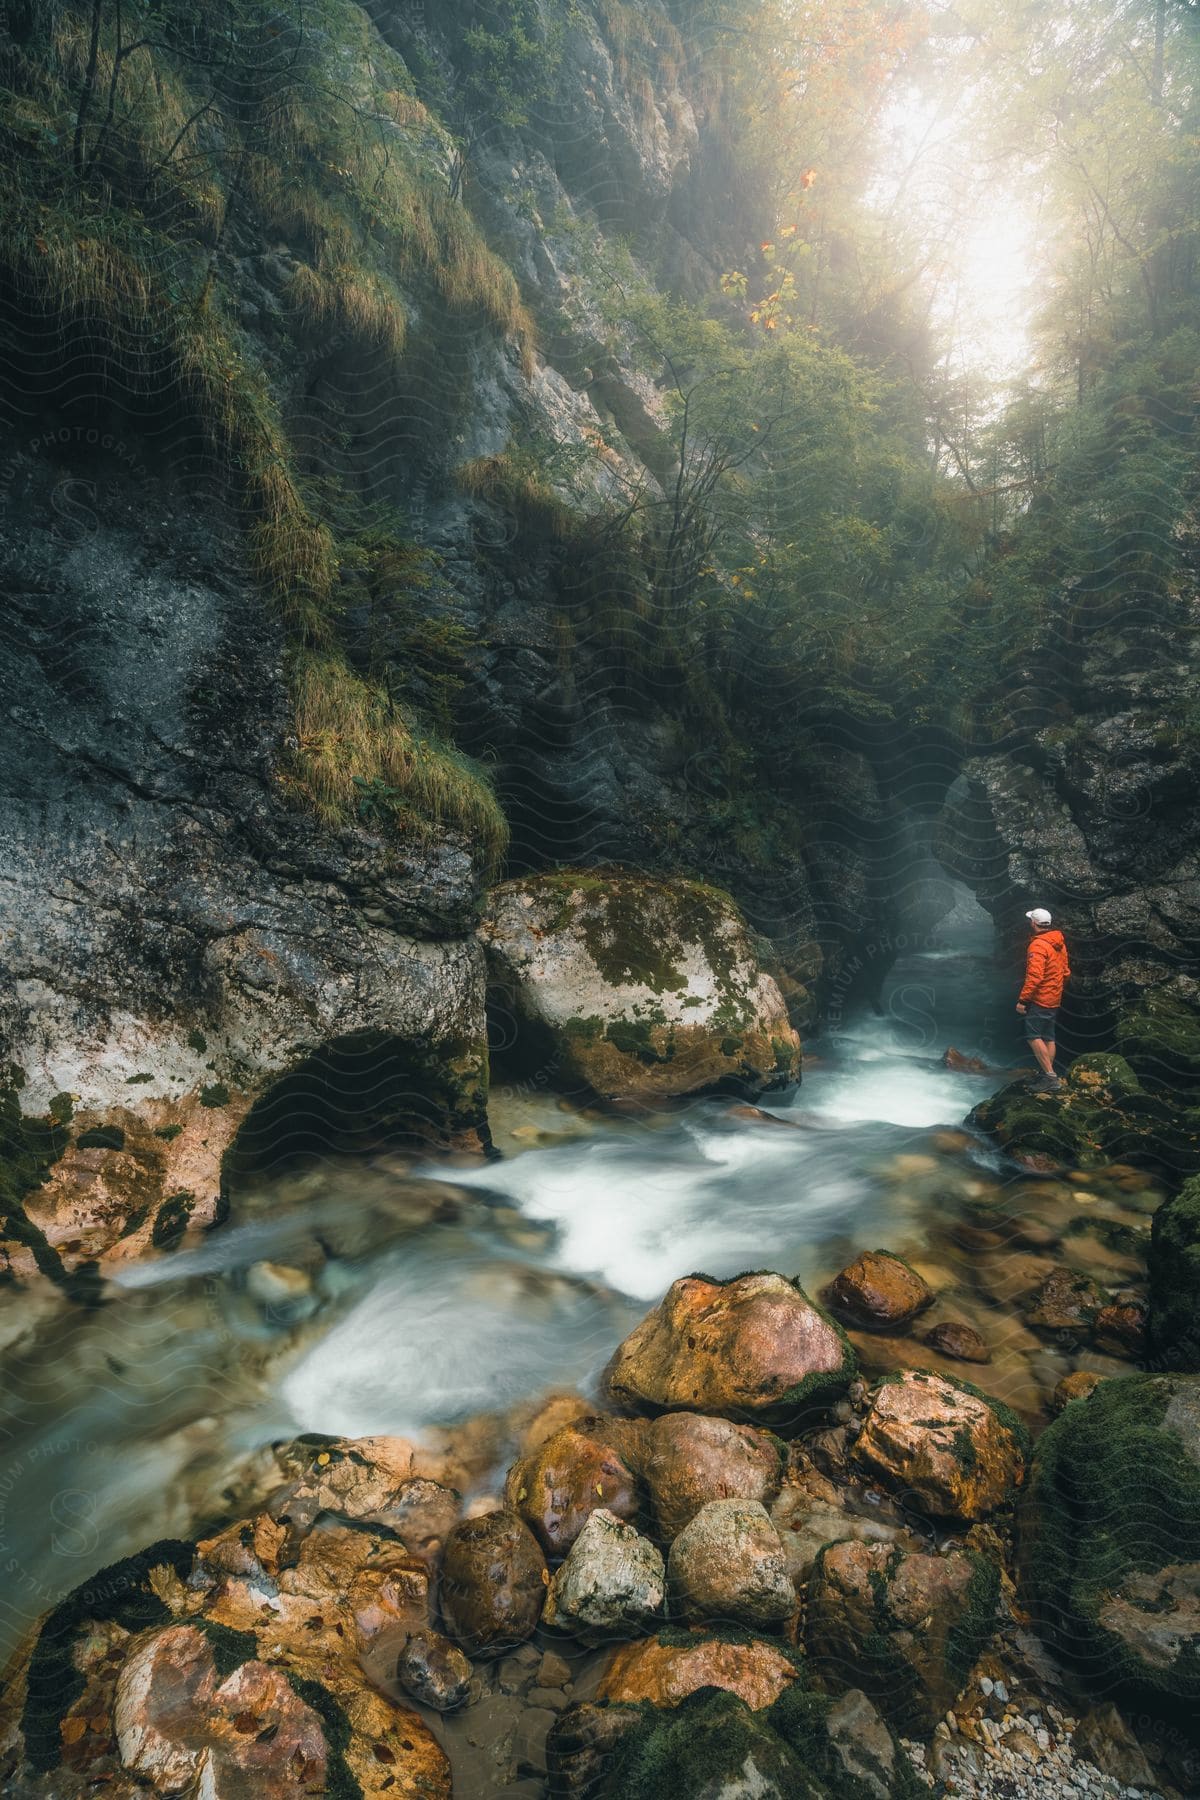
(821, 1575)
(429, 1474)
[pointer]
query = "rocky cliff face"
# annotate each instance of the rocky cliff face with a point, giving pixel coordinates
(1092, 811)
(175, 936)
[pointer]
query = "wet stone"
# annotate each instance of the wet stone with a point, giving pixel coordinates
(961, 1342)
(434, 1671)
(553, 1671)
(553, 1698)
(494, 1581)
(878, 1292)
(729, 1564)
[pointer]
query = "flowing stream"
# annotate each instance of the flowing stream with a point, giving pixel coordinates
(405, 1296)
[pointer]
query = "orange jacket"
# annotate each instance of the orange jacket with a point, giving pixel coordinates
(1046, 968)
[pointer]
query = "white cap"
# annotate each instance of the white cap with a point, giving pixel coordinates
(1039, 916)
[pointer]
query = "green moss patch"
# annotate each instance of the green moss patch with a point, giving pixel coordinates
(709, 1739)
(1101, 1116)
(340, 1781)
(976, 1620)
(1160, 1040)
(101, 1137)
(712, 1740)
(29, 1149)
(1174, 1267)
(1113, 1493)
(230, 1648)
(172, 1220)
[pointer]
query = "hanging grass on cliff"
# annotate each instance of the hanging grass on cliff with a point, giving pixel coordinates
(149, 145)
(357, 756)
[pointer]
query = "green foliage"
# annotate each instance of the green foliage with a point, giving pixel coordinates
(515, 50)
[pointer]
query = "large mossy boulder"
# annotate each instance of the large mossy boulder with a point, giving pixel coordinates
(905, 1627)
(714, 1747)
(635, 989)
(752, 1348)
(1110, 1544)
(1174, 1267)
(1101, 1115)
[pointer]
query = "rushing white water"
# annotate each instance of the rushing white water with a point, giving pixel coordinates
(119, 1425)
(638, 1204)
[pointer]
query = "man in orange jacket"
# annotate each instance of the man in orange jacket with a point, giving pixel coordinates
(1046, 968)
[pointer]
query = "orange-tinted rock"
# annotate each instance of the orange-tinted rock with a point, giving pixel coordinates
(392, 1754)
(173, 1718)
(961, 1342)
(120, 1191)
(689, 1459)
(494, 1581)
(583, 1466)
(755, 1347)
(878, 1292)
(945, 1449)
(1078, 1385)
(179, 1724)
(1120, 1327)
(551, 1415)
(665, 1674)
(347, 1588)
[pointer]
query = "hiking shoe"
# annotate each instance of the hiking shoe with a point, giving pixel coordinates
(1046, 1084)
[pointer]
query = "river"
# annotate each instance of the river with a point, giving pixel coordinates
(417, 1295)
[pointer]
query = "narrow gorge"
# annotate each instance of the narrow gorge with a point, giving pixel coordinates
(573, 571)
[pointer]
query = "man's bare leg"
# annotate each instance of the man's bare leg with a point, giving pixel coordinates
(1043, 1054)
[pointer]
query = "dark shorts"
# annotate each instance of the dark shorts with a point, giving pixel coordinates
(1039, 1022)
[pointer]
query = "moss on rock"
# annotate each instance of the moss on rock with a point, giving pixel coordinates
(1110, 1538)
(1174, 1268)
(1100, 1116)
(1160, 1040)
(29, 1149)
(120, 1592)
(637, 988)
(713, 1742)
